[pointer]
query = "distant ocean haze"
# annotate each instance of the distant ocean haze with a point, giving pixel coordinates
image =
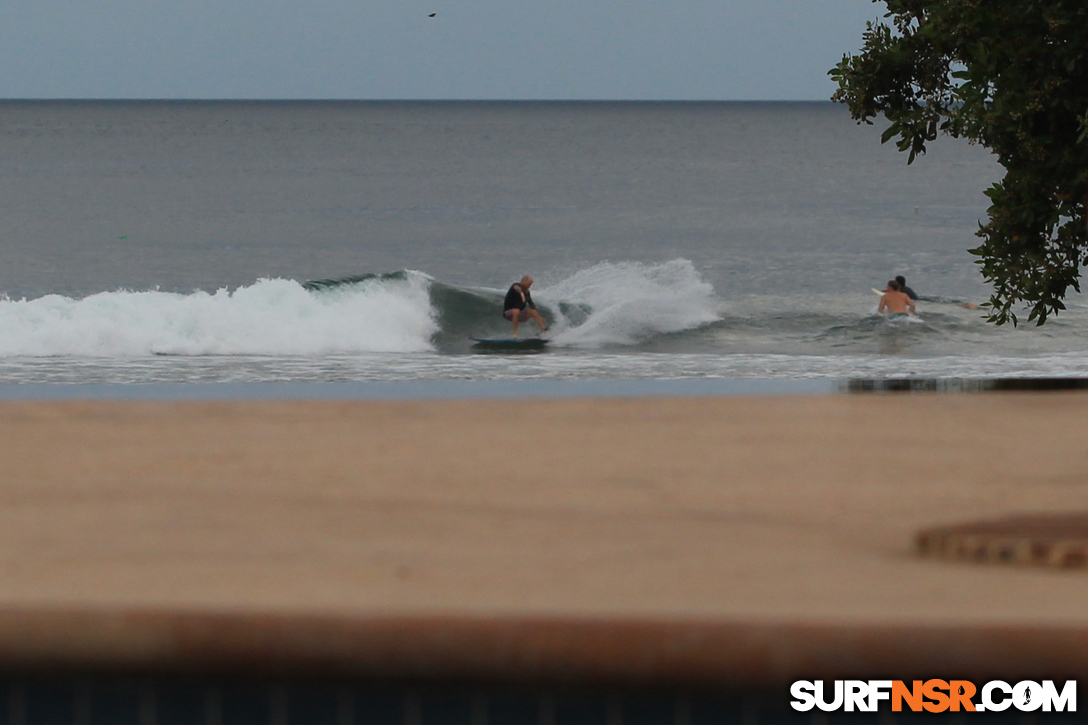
(167, 240)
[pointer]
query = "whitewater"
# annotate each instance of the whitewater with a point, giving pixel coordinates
(619, 304)
(270, 317)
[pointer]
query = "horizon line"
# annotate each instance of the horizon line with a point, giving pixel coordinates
(164, 99)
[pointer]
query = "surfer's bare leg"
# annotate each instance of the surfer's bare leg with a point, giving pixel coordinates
(539, 320)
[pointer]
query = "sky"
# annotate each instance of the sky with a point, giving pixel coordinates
(392, 49)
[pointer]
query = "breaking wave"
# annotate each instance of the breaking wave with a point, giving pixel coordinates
(405, 311)
(269, 317)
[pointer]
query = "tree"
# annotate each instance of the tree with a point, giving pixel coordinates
(1011, 75)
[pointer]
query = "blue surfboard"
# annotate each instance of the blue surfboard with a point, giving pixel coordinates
(509, 343)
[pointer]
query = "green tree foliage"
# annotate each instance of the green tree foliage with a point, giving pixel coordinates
(1011, 75)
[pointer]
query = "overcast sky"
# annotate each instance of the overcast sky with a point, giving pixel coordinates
(386, 49)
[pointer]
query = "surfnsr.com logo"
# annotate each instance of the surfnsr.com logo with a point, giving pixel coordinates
(934, 696)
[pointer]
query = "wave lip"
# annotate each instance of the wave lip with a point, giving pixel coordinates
(628, 302)
(269, 317)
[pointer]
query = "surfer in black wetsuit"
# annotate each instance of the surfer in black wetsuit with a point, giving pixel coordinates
(902, 282)
(905, 289)
(519, 306)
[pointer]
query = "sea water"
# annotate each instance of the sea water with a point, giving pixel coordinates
(260, 242)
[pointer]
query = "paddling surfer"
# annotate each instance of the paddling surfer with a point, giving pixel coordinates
(895, 302)
(914, 296)
(519, 306)
(905, 289)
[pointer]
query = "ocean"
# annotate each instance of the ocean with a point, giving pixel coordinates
(366, 242)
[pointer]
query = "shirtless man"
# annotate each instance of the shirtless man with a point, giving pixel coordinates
(519, 306)
(895, 302)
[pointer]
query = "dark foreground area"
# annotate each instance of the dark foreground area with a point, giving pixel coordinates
(146, 701)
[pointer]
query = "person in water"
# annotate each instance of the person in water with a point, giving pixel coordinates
(905, 289)
(895, 302)
(519, 306)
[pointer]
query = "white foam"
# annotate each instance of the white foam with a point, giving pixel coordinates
(630, 301)
(269, 317)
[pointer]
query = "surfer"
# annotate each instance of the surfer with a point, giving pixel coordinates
(914, 296)
(895, 302)
(519, 306)
(905, 289)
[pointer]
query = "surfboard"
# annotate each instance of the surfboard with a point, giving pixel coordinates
(509, 343)
(877, 291)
